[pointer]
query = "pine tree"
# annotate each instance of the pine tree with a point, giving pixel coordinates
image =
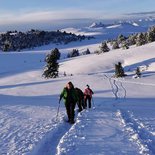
(119, 71)
(86, 52)
(125, 45)
(56, 53)
(104, 48)
(51, 69)
(116, 70)
(115, 45)
(138, 72)
(121, 38)
(141, 39)
(132, 39)
(6, 46)
(151, 34)
(74, 53)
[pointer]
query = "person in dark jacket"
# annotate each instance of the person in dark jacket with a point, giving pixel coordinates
(70, 98)
(88, 96)
(80, 101)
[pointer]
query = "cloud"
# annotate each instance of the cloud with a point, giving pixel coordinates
(45, 19)
(27, 19)
(10, 18)
(143, 13)
(42, 16)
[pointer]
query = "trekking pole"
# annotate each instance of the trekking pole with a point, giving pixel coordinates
(58, 110)
(93, 102)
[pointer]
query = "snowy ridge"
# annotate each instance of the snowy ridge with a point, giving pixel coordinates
(146, 22)
(138, 132)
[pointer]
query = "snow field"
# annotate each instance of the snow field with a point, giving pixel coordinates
(122, 121)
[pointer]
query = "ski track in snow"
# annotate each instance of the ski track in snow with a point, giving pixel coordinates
(138, 132)
(117, 88)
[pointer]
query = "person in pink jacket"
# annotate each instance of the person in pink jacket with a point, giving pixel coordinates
(88, 96)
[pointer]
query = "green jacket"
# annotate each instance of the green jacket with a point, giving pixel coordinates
(66, 96)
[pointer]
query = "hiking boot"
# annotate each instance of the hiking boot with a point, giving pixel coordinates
(72, 122)
(79, 110)
(68, 120)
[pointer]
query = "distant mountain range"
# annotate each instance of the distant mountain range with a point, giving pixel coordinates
(145, 23)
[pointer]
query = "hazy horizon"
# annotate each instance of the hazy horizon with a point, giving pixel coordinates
(51, 25)
(57, 14)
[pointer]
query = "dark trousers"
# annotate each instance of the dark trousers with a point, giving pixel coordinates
(70, 110)
(87, 99)
(81, 104)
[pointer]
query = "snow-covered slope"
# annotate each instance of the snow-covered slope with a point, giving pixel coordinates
(122, 120)
(130, 58)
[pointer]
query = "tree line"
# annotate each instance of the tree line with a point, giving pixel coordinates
(124, 42)
(17, 41)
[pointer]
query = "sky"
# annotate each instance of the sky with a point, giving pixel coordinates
(37, 12)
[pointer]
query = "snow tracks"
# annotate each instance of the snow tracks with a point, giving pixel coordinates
(23, 126)
(137, 132)
(49, 143)
(135, 128)
(96, 132)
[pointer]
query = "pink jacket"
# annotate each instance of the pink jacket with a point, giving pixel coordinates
(88, 92)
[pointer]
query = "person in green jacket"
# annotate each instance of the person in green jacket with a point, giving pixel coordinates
(70, 98)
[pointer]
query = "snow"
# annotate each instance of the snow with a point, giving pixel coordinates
(114, 26)
(122, 120)
(135, 24)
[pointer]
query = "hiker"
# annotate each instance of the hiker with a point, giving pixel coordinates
(80, 101)
(70, 98)
(88, 96)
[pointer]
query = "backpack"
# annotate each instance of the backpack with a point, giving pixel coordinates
(88, 92)
(79, 93)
